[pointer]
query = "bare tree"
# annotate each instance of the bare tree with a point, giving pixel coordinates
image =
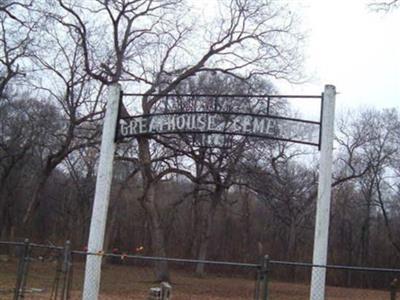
(79, 100)
(210, 165)
(25, 125)
(152, 44)
(16, 39)
(128, 25)
(81, 166)
(384, 6)
(382, 151)
(13, 8)
(224, 50)
(287, 187)
(368, 148)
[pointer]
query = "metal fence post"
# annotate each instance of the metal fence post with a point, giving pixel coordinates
(22, 271)
(261, 290)
(264, 278)
(54, 290)
(66, 270)
(258, 281)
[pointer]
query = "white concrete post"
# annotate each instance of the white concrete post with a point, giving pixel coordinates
(102, 195)
(324, 195)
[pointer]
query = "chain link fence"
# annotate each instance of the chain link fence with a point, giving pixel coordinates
(28, 271)
(291, 280)
(33, 271)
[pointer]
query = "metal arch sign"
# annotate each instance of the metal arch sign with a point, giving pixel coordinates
(221, 121)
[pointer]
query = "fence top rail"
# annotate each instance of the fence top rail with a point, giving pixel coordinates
(33, 245)
(209, 262)
(338, 267)
(169, 259)
(11, 243)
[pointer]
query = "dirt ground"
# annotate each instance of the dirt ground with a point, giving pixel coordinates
(133, 282)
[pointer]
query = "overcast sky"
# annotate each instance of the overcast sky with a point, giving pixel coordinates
(353, 48)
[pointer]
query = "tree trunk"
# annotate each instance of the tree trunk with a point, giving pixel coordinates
(150, 205)
(111, 229)
(7, 228)
(291, 249)
(34, 201)
(291, 242)
(208, 229)
(246, 225)
(365, 235)
(205, 239)
(157, 236)
(193, 231)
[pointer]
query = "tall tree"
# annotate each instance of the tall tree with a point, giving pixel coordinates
(78, 98)
(25, 127)
(157, 46)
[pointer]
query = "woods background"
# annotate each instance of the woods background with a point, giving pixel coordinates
(168, 197)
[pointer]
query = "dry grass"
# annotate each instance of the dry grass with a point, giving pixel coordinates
(132, 282)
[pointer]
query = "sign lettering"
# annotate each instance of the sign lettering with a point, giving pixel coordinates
(221, 123)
